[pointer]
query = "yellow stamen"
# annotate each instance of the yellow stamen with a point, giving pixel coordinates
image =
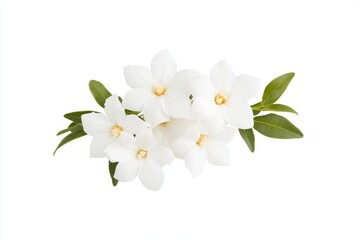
(202, 140)
(141, 154)
(116, 130)
(220, 99)
(159, 90)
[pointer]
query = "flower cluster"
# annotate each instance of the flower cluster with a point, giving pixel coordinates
(170, 113)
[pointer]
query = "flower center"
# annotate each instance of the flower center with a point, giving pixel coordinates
(221, 99)
(159, 90)
(141, 154)
(163, 124)
(202, 140)
(116, 130)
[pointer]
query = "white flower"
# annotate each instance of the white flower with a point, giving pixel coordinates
(205, 141)
(113, 126)
(167, 132)
(225, 95)
(140, 155)
(161, 93)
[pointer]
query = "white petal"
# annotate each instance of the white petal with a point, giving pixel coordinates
(128, 140)
(127, 171)
(203, 107)
(133, 124)
(138, 76)
(145, 139)
(223, 76)
(182, 81)
(135, 99)
(153, 112)
(113, 109)
(217, 154)
(163, 66)
(195, 161)
(176, 104)
(96, 124)
(98, 145)
(213, 124)
(224, 135)
(202, 86)
(117, 152)
(244, 88)
(161, 155)
(151, 175)
(239, 115)
(182, 146)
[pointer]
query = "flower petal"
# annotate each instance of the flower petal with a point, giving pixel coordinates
(151, 175)
(113, 109)
(145, 139)
(203, 107)
(127, 171)
(98, 145)
(96, 124)
(239, 115)
(195, 161)
(176, 104)
(244, 88)
(161, 155)
(182, 81)
(182, 146)
(223, 76)
(153, 112)
(138, 76)
(223, 136)
(117, 152)
(133, 124)
(202, 86)
(217, 154)
(163, 67)
(135, 99)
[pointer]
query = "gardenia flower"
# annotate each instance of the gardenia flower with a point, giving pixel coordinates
(160, 93)
(140, 155)
(167, 132)
(226, 96)
(113, 126)
(205, 141)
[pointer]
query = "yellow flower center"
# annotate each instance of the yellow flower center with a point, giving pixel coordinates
(202, 140)
(141, 154)
(220, 99)
(159, 90)
(116, 130)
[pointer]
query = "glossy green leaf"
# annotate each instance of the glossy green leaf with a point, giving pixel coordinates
(276, 88)
(249, 138)
(279, 108)
(74, 128)
(72, 136)
(276, 126)
(99, 92)
(76, 116)
(112, 167)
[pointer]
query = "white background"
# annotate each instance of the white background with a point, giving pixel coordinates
(296, 189)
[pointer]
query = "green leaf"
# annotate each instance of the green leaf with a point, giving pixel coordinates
(279, 108)
(276, 126)
(69, 138)
(76, 116)
(249, 138)
(256, 108)
(99, 92)
(276, 88)
(112, 167)
(75, 128)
